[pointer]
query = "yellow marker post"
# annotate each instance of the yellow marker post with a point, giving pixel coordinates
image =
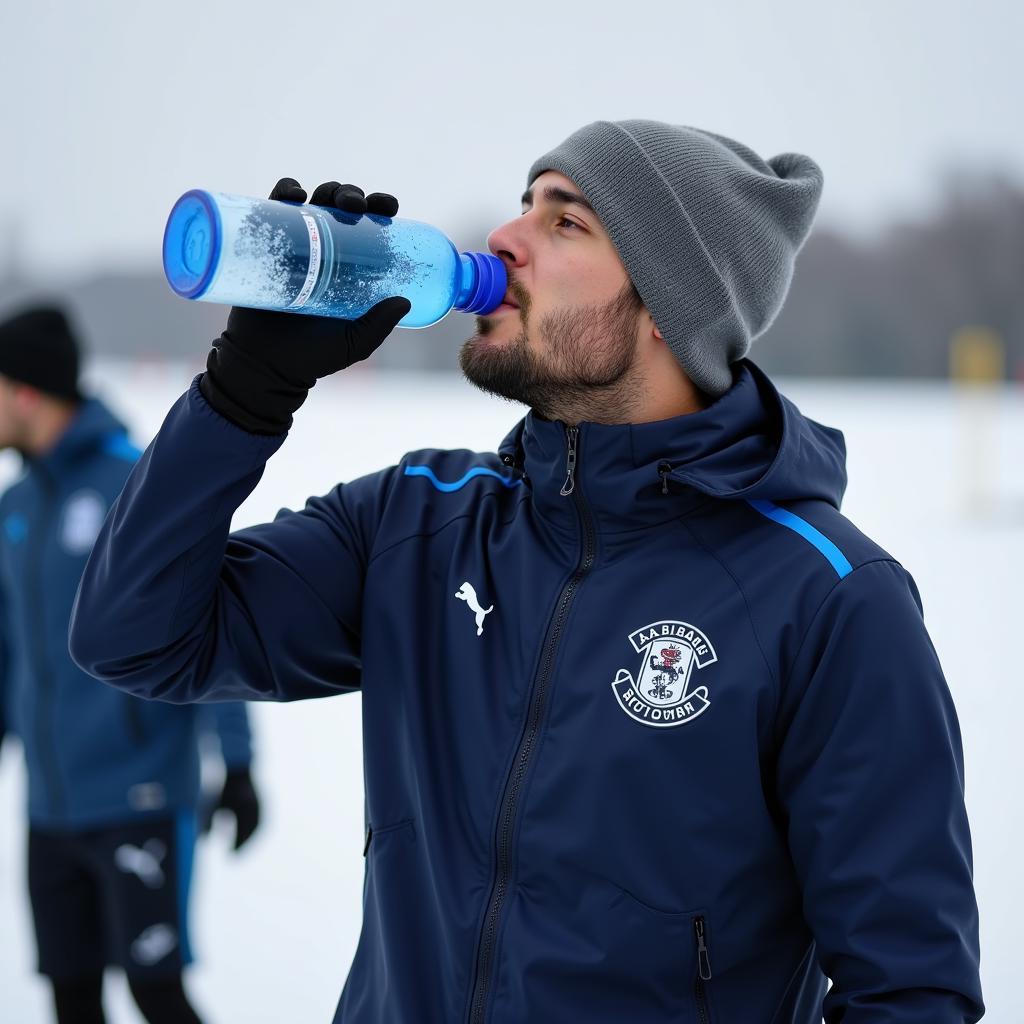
(977, 367)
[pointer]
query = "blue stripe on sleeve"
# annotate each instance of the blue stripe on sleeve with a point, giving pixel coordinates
(793, 522)
(447, 488)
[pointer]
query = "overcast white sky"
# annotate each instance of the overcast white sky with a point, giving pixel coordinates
(109, 110)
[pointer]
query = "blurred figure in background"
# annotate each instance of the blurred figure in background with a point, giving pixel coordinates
(113, 781)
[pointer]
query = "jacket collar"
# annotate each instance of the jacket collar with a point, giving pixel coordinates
(750, 443)
(89, 430)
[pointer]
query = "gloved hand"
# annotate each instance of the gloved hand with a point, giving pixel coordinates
(237, 797)
(261, 368)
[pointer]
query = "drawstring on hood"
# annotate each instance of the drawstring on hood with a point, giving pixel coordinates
(664, 469)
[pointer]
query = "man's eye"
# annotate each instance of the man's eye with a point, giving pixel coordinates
(564, 222)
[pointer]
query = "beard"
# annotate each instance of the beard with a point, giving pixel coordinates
(587, 367)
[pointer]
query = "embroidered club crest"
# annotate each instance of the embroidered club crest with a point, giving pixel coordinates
(660, 696)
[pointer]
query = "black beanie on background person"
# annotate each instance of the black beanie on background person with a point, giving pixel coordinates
(38, 348)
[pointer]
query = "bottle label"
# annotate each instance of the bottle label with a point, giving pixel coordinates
(315, 250)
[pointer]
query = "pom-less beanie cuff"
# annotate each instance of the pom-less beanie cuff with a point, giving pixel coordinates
(707, 230)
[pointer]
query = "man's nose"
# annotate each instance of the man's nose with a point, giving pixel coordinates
(508, 243)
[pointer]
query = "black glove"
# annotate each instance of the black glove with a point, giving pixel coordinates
(237, 797)
(263, 365)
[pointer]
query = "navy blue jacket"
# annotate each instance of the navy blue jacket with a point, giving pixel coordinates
(662, 739)
(94, 756)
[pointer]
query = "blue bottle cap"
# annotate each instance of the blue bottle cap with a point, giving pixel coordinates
(192, 241)
(490, 286)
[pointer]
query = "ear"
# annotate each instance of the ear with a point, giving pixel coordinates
(648, 332)
(653, 328)
(650, 328)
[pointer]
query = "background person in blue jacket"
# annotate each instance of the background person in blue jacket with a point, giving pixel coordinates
(668, 740)
(113, 781)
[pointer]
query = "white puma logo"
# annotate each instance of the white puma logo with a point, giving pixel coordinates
(154, 944)
(468, 594)
(143, 861)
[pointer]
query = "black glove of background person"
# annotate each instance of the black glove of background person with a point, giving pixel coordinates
(238, 798)
(263, 365)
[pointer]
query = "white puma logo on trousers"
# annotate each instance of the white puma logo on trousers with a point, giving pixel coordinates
(154, 944)
(468, 594)
(144, 861)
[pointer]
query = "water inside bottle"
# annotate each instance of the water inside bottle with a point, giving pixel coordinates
(330, 263)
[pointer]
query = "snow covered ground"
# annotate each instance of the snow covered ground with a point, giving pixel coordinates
(936, 478)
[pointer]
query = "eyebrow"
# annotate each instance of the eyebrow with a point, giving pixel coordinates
(554, 194)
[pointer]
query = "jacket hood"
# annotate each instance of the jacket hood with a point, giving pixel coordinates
(91, 428)
(754, 443)
(750, 444)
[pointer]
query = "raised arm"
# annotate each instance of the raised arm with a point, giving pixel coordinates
(171, 606)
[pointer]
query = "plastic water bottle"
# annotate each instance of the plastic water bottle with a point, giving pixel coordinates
(314, 259)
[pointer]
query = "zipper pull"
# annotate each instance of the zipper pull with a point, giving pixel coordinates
(664, 468)
(703, 960)
(570, 465)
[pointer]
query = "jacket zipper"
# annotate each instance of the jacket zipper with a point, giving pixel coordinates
(569, 487)
(42, 677)
(703, 971)
(524, 752)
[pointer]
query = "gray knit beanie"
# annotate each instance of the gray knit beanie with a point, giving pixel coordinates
(707, 230)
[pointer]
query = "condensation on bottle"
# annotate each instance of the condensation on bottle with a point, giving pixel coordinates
(297, 258)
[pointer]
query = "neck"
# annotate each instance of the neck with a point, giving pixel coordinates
(636, 397)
